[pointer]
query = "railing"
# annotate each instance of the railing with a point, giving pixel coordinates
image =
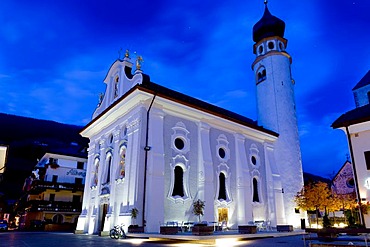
(40, 205)
(39, 184)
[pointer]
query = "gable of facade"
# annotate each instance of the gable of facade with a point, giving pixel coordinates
(343, 182)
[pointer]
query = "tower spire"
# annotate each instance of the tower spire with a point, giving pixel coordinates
(268, 26)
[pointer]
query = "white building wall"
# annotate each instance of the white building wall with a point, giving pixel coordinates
(177, 209)
(202, 163)
(360, 136)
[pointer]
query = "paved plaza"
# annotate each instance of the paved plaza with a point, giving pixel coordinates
(52, 239)
(45, 239)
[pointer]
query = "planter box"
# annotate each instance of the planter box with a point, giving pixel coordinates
(247, 229)
(326, 236)
(202, 230)
(284, 228)
(66, 227)
(135, 229)
(168, 230)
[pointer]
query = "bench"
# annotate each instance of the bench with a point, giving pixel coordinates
(135, 229)
(247, 229)
(202, 230)
(284, 228)
(168, 230)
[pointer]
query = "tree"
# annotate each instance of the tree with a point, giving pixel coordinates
(314, 196)
(348, 205)
(334, 204)
(198, 208)
(134, 212)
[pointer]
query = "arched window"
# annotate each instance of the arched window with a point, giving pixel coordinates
(261, 75)
(116, 87)
(178, 188)
(94, 181)
(108, 164)
(255, 191)
(122, 163)
(222, 187)
(58, 219)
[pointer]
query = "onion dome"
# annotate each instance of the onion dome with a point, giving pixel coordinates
(268, 26)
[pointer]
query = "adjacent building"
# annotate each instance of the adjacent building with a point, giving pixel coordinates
(158, 150)
(343, 183)
(54, 193)
(356, 125)
(3, 156)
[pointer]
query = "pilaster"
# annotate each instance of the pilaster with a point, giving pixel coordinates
(155, 171)
(205, 171)
(243, 185)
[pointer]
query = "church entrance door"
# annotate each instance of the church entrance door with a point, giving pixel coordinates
(103, 213)
(223, 215)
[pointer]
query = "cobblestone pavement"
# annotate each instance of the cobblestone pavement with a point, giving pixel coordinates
(45, 239)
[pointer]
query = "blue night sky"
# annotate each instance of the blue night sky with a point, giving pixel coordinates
(54, 56)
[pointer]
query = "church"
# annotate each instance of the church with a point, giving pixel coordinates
(156, 150)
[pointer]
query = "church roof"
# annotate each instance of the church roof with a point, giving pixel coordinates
(363, 82)
(161, 91)
(268, 26)
(200, 105)
(355, 116)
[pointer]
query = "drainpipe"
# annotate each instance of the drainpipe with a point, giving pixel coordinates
(362, 222)
(146, 149)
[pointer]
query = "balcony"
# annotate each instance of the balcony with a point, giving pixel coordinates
(56, 206)
(39, 186)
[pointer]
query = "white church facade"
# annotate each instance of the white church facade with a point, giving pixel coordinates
(157, 150)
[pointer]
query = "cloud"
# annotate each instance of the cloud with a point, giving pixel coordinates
(4, 76)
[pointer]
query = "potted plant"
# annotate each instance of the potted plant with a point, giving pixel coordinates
(134, 228)
(198, 208)
(200, 228)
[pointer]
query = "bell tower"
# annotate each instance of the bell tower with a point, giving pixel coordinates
(276, 106)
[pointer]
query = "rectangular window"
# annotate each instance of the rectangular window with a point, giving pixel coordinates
(52, 197)
(367, 159)
(53, 161)
(78, 180)
(55, 178)
(80, 165)
(76, 199)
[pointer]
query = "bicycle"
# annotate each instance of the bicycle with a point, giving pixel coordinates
(117, 231)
